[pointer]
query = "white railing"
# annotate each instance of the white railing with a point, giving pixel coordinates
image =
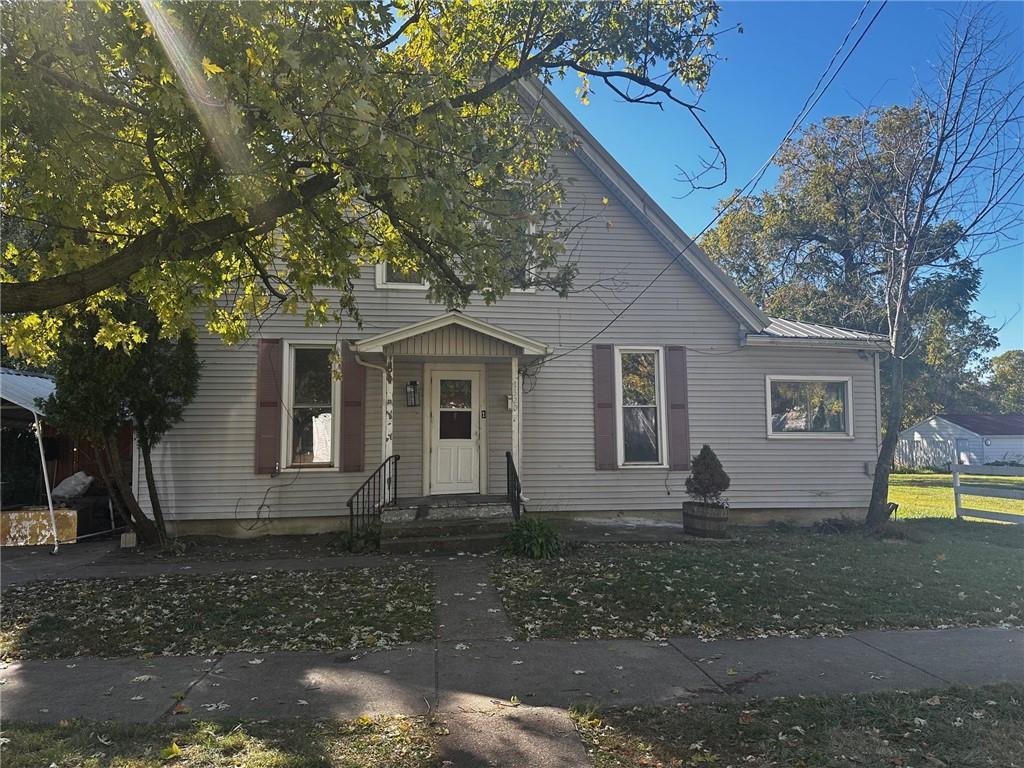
(980, 487)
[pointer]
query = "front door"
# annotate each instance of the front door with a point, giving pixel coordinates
(454, 432)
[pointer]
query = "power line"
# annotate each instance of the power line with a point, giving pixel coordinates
(809, 103)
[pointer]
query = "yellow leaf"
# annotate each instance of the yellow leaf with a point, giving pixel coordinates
(210, 68)
(171, 752)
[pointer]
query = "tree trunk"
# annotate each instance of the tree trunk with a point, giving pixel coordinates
(144, 528)
(878, 513)
(154, 497)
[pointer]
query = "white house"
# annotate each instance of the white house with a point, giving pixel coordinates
(962, 438)
(432, 404)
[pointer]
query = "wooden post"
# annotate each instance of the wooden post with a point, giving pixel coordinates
(956, 489)
(389, 407)
(515, 415)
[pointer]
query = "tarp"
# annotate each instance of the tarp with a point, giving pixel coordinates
(25, 388)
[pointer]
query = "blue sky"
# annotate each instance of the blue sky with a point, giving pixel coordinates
(759, 88)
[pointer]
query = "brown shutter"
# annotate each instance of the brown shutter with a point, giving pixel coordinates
(605, 449)
(353, 417)
(268, 406)
(678, 408)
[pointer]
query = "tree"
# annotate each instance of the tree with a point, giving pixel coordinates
(99, 389)
(807, 250)
(1006, 387)
(185, 152)
(948, 168)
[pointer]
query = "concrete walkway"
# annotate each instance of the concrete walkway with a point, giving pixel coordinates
(503, 701)
(470, 684)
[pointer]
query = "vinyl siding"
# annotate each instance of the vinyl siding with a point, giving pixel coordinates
(205, 465)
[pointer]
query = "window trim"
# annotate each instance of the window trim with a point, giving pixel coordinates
(381, 281)
(772, 435)
(287, 405)
(620, 447)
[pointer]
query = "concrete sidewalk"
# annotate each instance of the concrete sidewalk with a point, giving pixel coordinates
(483, 675)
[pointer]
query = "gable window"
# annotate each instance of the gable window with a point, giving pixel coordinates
(809, 406)
(310, 407)
(639, 377)
(390, 275)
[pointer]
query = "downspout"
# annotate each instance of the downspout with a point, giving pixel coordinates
(46, 481)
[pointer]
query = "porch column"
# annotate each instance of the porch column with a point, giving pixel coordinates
(515, 413)
(389, 407)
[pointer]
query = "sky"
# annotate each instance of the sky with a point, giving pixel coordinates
(760, 86)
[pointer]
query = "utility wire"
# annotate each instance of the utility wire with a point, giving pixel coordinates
(809, 103)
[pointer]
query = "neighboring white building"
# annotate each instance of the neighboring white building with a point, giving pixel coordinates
(962, 438)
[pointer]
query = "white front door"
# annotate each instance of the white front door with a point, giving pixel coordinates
(454, 432)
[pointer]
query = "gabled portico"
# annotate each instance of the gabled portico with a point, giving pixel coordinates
(458, 408)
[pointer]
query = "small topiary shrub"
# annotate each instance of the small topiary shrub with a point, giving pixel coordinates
(533, 538)
(707, 481)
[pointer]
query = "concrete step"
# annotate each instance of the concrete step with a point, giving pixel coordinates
(415, 544)
(441, 528)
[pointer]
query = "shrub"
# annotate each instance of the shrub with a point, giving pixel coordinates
(707, 481)
(533, 538)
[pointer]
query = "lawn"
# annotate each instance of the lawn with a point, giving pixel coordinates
(931, 495)
(951, 727)
(178, 615)
(363, 743)
(772, 582)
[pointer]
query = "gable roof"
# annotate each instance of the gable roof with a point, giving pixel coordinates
(378, 342)
(626, 189)
(23, 389)
(987, 423)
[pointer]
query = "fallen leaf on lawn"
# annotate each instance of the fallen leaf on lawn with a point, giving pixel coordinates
(170, 752)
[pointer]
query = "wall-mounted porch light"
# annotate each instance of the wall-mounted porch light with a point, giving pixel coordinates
(412, 394)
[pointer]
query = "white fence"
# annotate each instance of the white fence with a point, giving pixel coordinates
(980, 487)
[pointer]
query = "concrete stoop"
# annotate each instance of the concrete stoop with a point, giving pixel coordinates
(469, 523)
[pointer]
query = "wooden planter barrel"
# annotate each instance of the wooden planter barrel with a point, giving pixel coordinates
(704, 521)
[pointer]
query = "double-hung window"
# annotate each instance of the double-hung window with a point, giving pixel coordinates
(310, 402)
(639, 384)
(809, 406)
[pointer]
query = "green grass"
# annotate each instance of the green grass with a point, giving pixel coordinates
(180, 615)
(950, 727)
(363, 743)
(773, 582)
(931, 495)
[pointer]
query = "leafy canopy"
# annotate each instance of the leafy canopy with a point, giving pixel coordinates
(222, 160)
(809, 249)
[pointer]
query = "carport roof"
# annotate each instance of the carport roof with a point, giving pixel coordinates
(23, 389)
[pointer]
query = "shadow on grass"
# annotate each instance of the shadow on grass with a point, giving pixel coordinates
(982, 726)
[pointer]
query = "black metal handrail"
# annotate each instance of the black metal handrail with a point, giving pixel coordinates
(513, 488)
(380, 490)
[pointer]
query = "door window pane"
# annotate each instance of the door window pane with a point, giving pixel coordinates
(456, 425)
(809, 406)
(456, 393)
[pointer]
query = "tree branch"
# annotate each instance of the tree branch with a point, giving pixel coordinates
(175, 241)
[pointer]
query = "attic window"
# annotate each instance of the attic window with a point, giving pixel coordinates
(393, 276)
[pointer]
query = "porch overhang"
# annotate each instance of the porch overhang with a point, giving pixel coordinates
(384, 342)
